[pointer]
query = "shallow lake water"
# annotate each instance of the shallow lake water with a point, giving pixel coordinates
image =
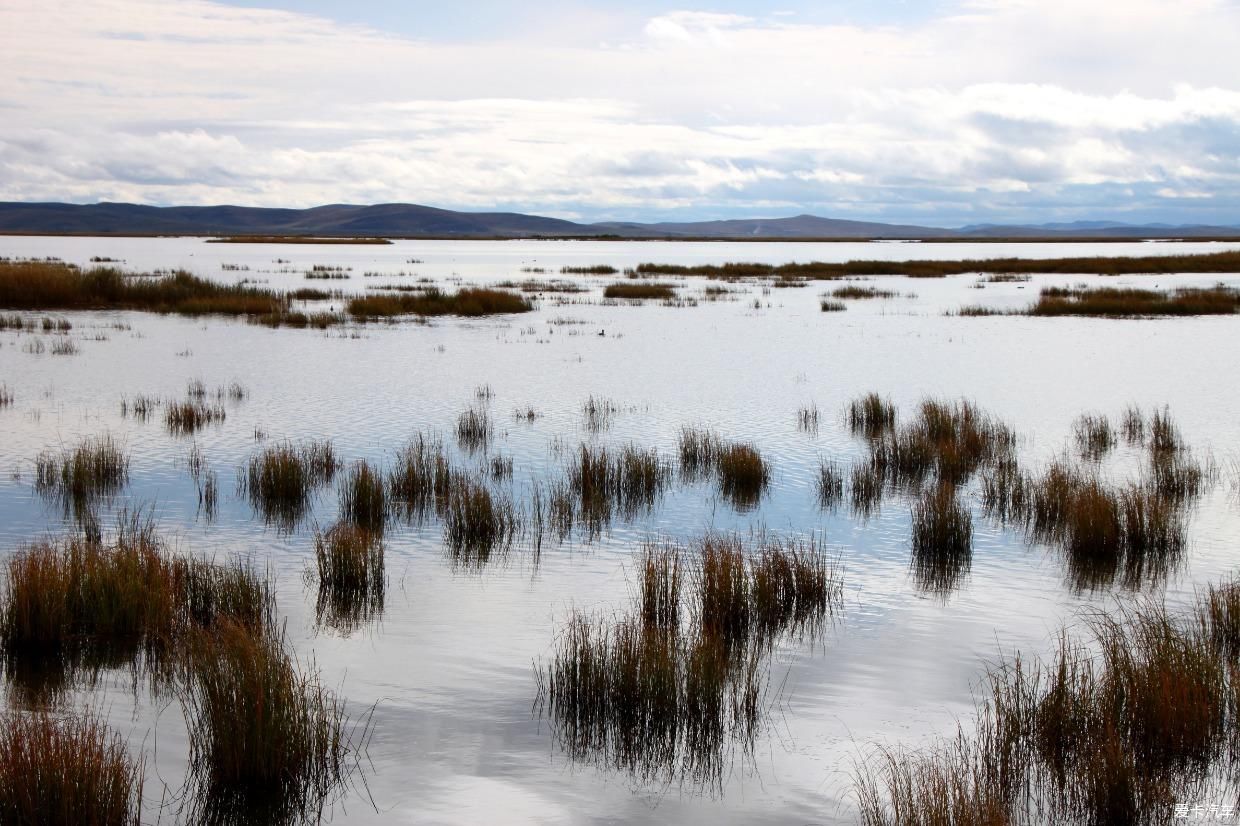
(449, 669)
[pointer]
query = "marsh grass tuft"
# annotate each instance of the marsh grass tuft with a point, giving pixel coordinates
(97, 468)
(280, 479)
(1094, 436)
(267, 741)
(62, 770)
(186, 418)
(871, 415)
(829, 485)
(669, 692)
(738, 468)
(1127, 302)
(639, 291)
(625, 482)
(421, 478)
(1115, 727)
(350, 575)
(942, 540)
(75, 606)
(478, 522)
(363, 498)
(468, 302)
(473, 429)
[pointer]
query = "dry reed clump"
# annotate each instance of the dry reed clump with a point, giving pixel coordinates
(829, 485)
(1093, 435)
(807, 419)
(852, 291)
(738, 468)
(1127, 302)
(871, 415)
(363, 498)
(61, 770)
(665, 692)
(187, 418)
(828, 305)
(1131, 531)
(1115, 728)
(661, 573)
(639, 291)
(597, 269)
(1132, 425)
(473, 429)
(598, 414)
(942, 540)
(96, 468)
(6, 396)
(76, 606)
(350, 574)
(947, 442)
(469, 302)
(477, 522)
(624, 482)
(267, 741)
(279, 480)
(421, 478)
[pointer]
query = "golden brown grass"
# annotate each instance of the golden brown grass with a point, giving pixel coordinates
(942, 539)
(1127, 302)
(469, 302)
(639, 291)
(1221, 262)
(95, 468)
(80, 605)
(351, 579)
(66, 770)
(363, 498)
(280, 479)
(267, 741)
(1114, 728)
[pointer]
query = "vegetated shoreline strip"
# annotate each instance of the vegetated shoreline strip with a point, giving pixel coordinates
(1112, 302)
(55, 285)
(293, 239)
(1217, 262)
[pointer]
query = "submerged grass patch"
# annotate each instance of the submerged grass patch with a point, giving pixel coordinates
(625, 482)
(61, 770)
(420, 479)
(738, 468)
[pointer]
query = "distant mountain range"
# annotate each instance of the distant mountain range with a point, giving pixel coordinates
(415, 221)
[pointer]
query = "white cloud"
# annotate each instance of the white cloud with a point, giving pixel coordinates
(1004, 106)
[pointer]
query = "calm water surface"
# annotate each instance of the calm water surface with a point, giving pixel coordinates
(451, 664)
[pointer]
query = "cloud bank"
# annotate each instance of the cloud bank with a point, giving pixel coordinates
(995, 110)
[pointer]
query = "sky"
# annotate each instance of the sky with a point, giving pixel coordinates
(943, 113)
